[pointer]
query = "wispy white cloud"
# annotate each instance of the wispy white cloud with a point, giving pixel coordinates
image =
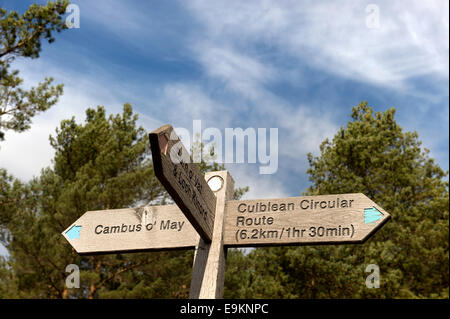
(411, 42)
(412, 38)
(260, 186)
(302, 128)
(25, 154)
(239, 72)
(117, 17)
(185, 102)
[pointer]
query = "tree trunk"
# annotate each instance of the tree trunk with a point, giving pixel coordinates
(65, 293)
(92, 287)
(91, 291)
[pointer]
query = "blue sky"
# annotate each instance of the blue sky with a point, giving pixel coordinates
(298, 66)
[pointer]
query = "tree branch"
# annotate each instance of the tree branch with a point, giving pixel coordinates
(23, 42)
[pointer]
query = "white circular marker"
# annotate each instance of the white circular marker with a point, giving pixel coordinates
(215, 183)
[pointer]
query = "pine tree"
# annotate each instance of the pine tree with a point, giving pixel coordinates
(21, 36)
(372, 155)
(104, 163)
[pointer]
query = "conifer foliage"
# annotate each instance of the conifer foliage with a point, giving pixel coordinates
(102, 164)
(374, 156)
(21, 36)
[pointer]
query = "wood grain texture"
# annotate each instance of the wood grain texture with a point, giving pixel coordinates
(208, 274)
(183, 180)
(306, 220)
(133, 230)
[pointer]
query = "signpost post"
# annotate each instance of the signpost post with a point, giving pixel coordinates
(206, 218)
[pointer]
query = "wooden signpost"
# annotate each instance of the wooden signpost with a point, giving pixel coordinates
(206, 218)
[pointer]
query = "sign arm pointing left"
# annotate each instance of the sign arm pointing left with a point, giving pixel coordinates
(130, 230)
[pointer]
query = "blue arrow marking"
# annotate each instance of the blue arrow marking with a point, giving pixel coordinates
(371, 215)
(74, 232)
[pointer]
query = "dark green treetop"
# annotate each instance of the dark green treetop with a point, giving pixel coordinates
(374, 156)
(103, 163)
